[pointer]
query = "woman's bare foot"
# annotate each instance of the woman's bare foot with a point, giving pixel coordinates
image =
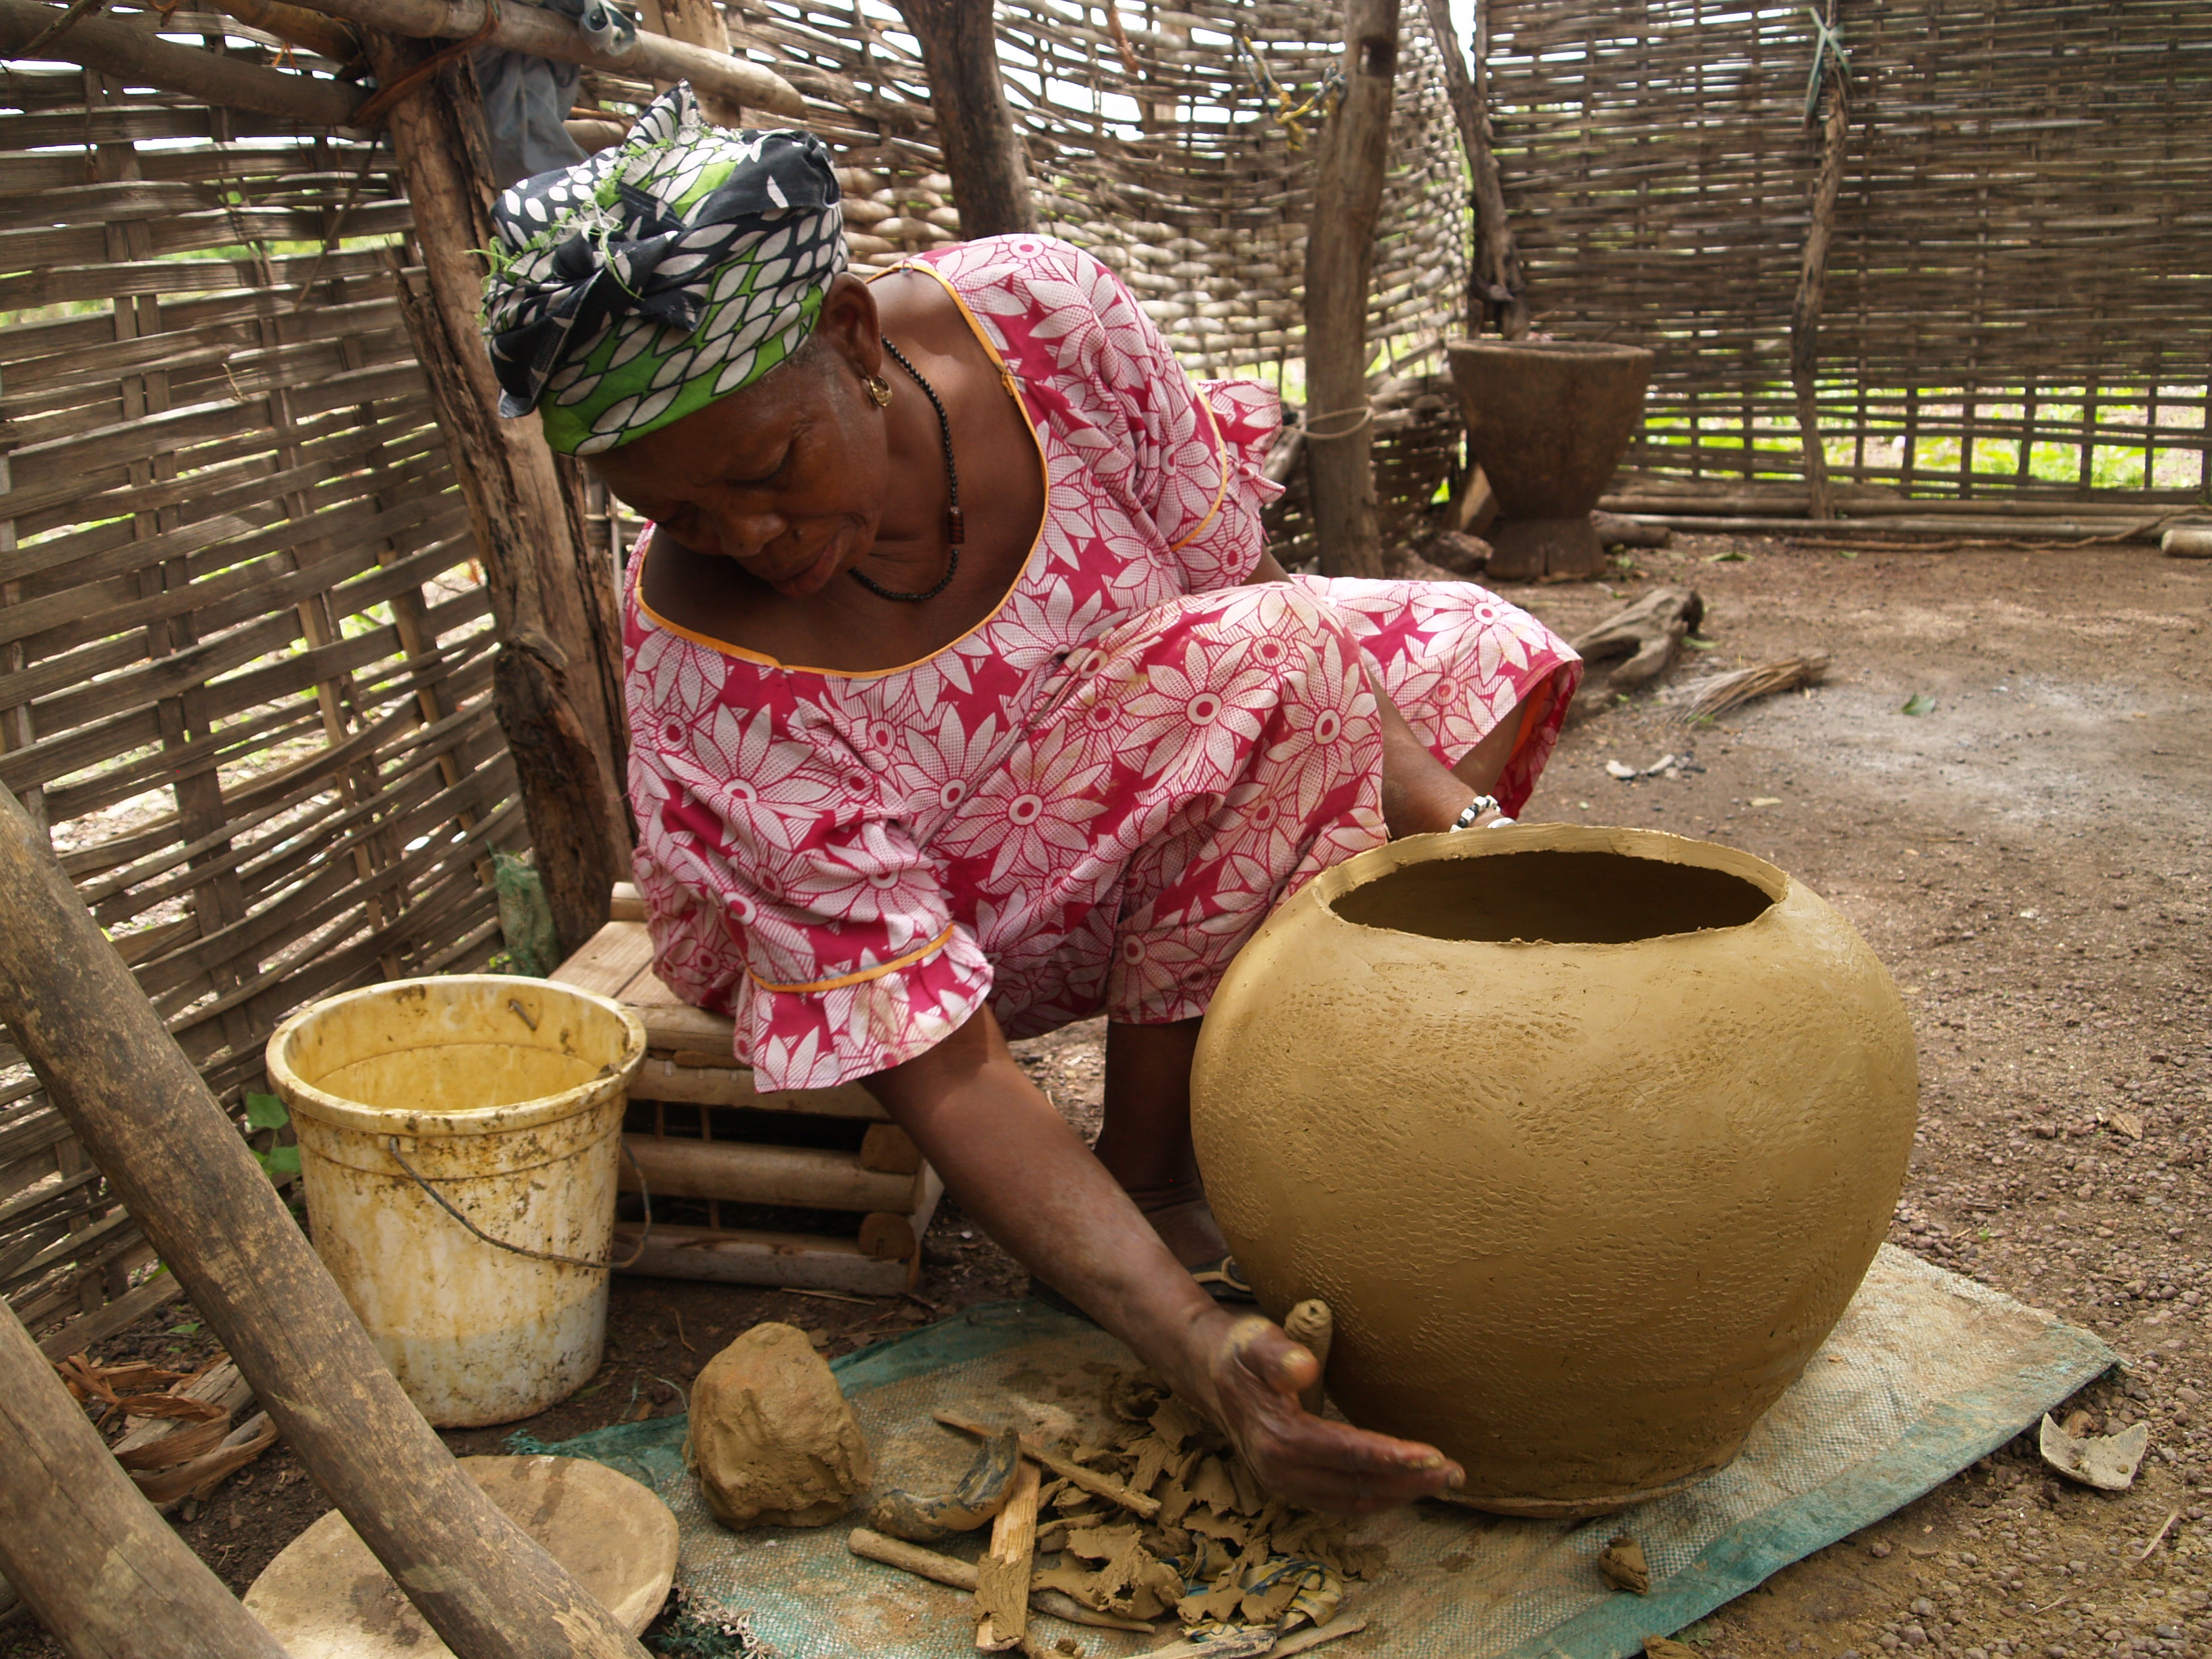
(1250, 1374)
(1184, 1221)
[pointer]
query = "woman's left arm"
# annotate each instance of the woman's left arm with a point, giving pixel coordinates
(1421, 795)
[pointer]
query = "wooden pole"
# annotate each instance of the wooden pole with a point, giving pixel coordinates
(556, 682)
(138, 55)
(87, 1553)
(145, 1117)
(700, 23)
(1812, 281)
(542, 34)
(1339, 260)
(974, 122)
(1500, 286)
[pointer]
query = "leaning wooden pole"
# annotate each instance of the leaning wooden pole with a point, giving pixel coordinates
(558, 679)
(698, 23)
(1813, 273)
(976, 128)
(1499, 285)
(134, 53)
(86, 1550)
(146, 1118)
(1339, 261)
(545, 33)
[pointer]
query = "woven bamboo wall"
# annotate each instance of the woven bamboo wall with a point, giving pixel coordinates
(244, 658)
(2020, 289)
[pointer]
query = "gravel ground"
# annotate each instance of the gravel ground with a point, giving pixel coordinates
(2030, 859)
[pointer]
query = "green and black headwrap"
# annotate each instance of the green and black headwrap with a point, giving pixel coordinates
(654, 277)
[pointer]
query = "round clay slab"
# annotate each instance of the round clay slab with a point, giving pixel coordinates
(327, 1597)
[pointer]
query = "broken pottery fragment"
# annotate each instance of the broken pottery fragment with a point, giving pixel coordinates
(1586, 1136)
(978, 1496)
(2106, 1461)
(773, 1440)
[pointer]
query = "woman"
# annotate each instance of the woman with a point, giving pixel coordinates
(965, 701)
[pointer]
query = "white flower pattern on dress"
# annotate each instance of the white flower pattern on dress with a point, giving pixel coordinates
(1087, 804)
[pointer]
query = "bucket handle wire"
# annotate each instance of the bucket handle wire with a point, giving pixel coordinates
(391, 1145)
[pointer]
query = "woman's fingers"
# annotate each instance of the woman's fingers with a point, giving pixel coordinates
(1307, 1459)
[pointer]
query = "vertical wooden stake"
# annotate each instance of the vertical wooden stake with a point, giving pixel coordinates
(558, 679)
(1812, 287)
(1002, 1577)
(1339, 260)
(1497, 279)
(974, 124)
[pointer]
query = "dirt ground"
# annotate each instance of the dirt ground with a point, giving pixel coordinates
(2029, 856)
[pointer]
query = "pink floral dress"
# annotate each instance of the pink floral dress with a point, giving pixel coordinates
(1088, 802)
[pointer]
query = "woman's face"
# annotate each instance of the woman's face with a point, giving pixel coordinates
(787, 478)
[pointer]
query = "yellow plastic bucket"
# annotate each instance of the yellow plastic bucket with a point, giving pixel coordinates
(503, 1097)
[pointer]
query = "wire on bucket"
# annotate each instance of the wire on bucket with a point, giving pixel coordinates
(392, 1144)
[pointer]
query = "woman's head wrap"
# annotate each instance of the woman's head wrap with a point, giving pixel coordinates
(654, 277)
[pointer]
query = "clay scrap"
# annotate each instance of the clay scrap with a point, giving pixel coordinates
(2106, 1461)
(1621, 1565)
(773, 1440)
(1219, 1553)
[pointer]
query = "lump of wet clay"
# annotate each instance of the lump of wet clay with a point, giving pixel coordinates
(773, 1440)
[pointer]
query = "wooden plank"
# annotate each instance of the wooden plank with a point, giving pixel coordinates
(741, 1257)
(609, 961)
(740, 1172)
(695, 1085)
(87, 1331)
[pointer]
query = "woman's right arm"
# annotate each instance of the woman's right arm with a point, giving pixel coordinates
(1012, 1163)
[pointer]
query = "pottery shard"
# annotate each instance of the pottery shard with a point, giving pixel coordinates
(773, 1440)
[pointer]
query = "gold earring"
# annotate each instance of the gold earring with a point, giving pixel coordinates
(878, 390)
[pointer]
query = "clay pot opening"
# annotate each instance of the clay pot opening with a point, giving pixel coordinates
(1546, 896)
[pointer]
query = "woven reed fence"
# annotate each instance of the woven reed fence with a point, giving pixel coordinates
(2019, 293)
(244, 660)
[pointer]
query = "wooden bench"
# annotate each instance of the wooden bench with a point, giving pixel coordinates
(713, 1148)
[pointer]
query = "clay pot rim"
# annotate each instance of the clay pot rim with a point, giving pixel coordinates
(1492, 346)
(1655, 845)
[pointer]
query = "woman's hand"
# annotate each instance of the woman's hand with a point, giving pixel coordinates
(1250, 1374)
(1012, 1163)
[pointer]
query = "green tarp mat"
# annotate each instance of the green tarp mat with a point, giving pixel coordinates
(1927, 1372)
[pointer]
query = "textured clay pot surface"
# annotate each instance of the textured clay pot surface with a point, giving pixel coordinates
(1549, 419)
(1586, 1135)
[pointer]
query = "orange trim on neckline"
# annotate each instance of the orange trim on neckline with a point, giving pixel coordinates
(1044, 471)
(1220, 466)
(865, 974)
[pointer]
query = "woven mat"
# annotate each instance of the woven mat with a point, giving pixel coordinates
(1927, 1372)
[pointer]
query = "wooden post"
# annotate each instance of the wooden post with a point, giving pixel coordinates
(88, 1553)
(558, 679)
(974, 124)
(1340, 259)
(1500, 287)
(1812, 281)
(700, 23)
(146, 1117)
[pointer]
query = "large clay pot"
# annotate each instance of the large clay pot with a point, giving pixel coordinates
(1587, 1136)
(1549, 420)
